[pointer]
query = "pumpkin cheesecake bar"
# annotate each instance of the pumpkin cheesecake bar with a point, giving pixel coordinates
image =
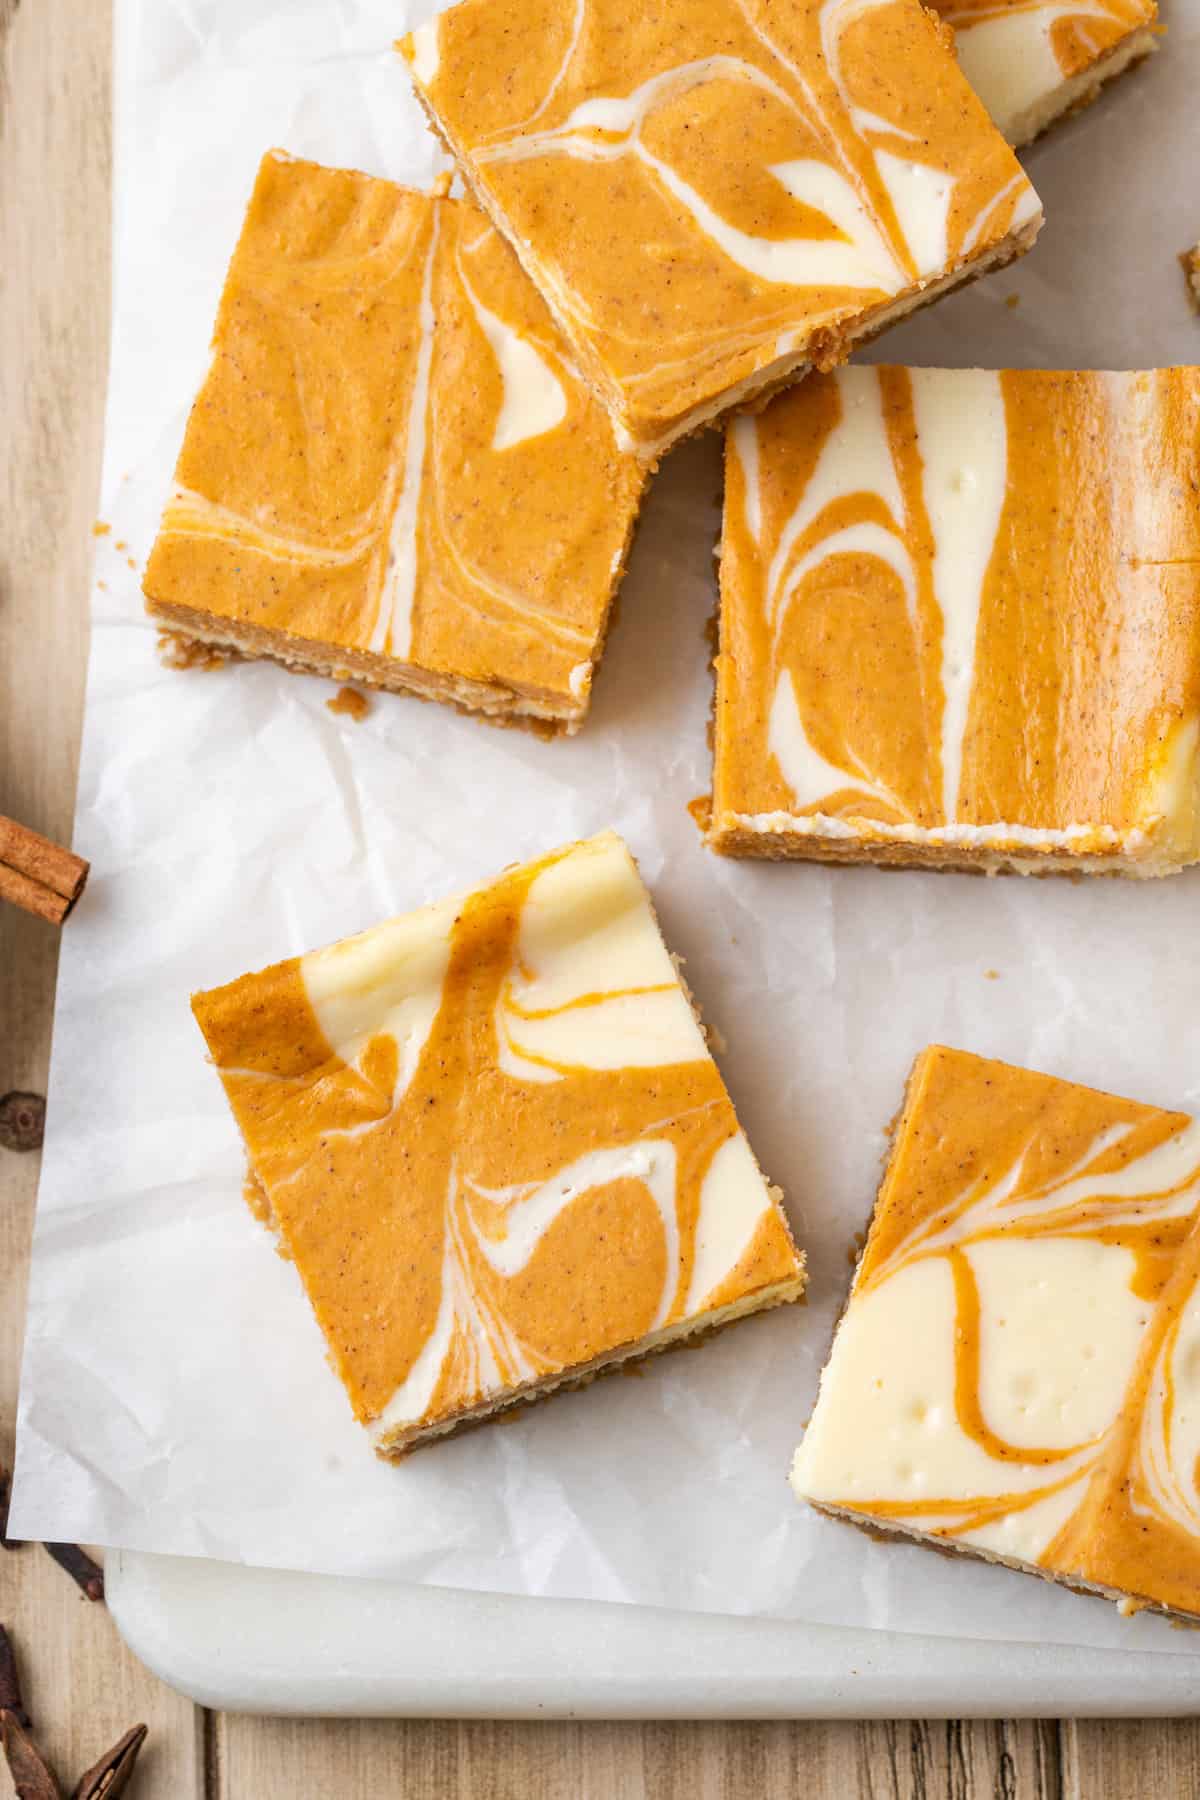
(392, 472)
(1015, 1375)
(960, 622)
(1033, 61)
(716, 195)
(492, 1139)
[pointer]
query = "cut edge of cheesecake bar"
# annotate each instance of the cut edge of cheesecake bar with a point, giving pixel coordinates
(823, 348)
(686, 1334)
(501, 703)
(888, 1530)
(964, 849)
(1080, 90)
(392, 1445)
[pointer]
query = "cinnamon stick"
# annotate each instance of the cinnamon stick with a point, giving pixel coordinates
(10, 1683)
(39, 875)
(87, 1575)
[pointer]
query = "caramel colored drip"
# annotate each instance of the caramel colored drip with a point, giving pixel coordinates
(935, 1201)
(411, 1170)
(1083, 664)
(954, 1517)
(340, 480)
(692, 86)
(966, 1374)
(1001, 1118)
(579, 1001)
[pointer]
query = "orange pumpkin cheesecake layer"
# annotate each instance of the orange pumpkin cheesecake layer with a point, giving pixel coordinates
(960, 622)
(493, 1141)
(1031, 61)
(391, 471)
(1016, 1374)
(714, 195)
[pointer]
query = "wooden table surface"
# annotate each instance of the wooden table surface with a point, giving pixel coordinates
(82, 1686)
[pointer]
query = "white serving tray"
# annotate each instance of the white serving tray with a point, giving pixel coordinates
(265, 1641)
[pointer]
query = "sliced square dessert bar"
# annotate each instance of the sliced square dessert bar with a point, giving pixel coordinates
(960, 622)
(1017, 1372)
(492, 1139)
(715, 195)
(1032, 61)
(392, 472)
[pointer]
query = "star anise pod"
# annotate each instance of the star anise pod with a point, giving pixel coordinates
(108, 1778)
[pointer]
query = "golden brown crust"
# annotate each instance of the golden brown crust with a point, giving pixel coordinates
(895, 1534)
(512, 1405)
(232, 641)
(739, 841)
(1128, 54)
(195, 639)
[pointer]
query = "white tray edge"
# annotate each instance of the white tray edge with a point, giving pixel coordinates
(238, 1639)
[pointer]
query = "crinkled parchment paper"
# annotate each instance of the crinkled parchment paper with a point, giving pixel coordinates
(176, 1395)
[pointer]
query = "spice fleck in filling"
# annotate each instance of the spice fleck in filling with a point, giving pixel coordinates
(960, 622)
(492, 1138)
(796, 175)
(1017, 1372)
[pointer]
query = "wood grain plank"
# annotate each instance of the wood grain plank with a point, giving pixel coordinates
(1125, 1759)
(498, 1761)
(82, 1686)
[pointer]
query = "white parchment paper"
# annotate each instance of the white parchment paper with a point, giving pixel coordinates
(175, 1393)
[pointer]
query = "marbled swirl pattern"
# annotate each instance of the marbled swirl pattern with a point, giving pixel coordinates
(1020, 56)
(391, 452)
(783, 171)
(1018, 1368)
(960, 606)
(493, 1140)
